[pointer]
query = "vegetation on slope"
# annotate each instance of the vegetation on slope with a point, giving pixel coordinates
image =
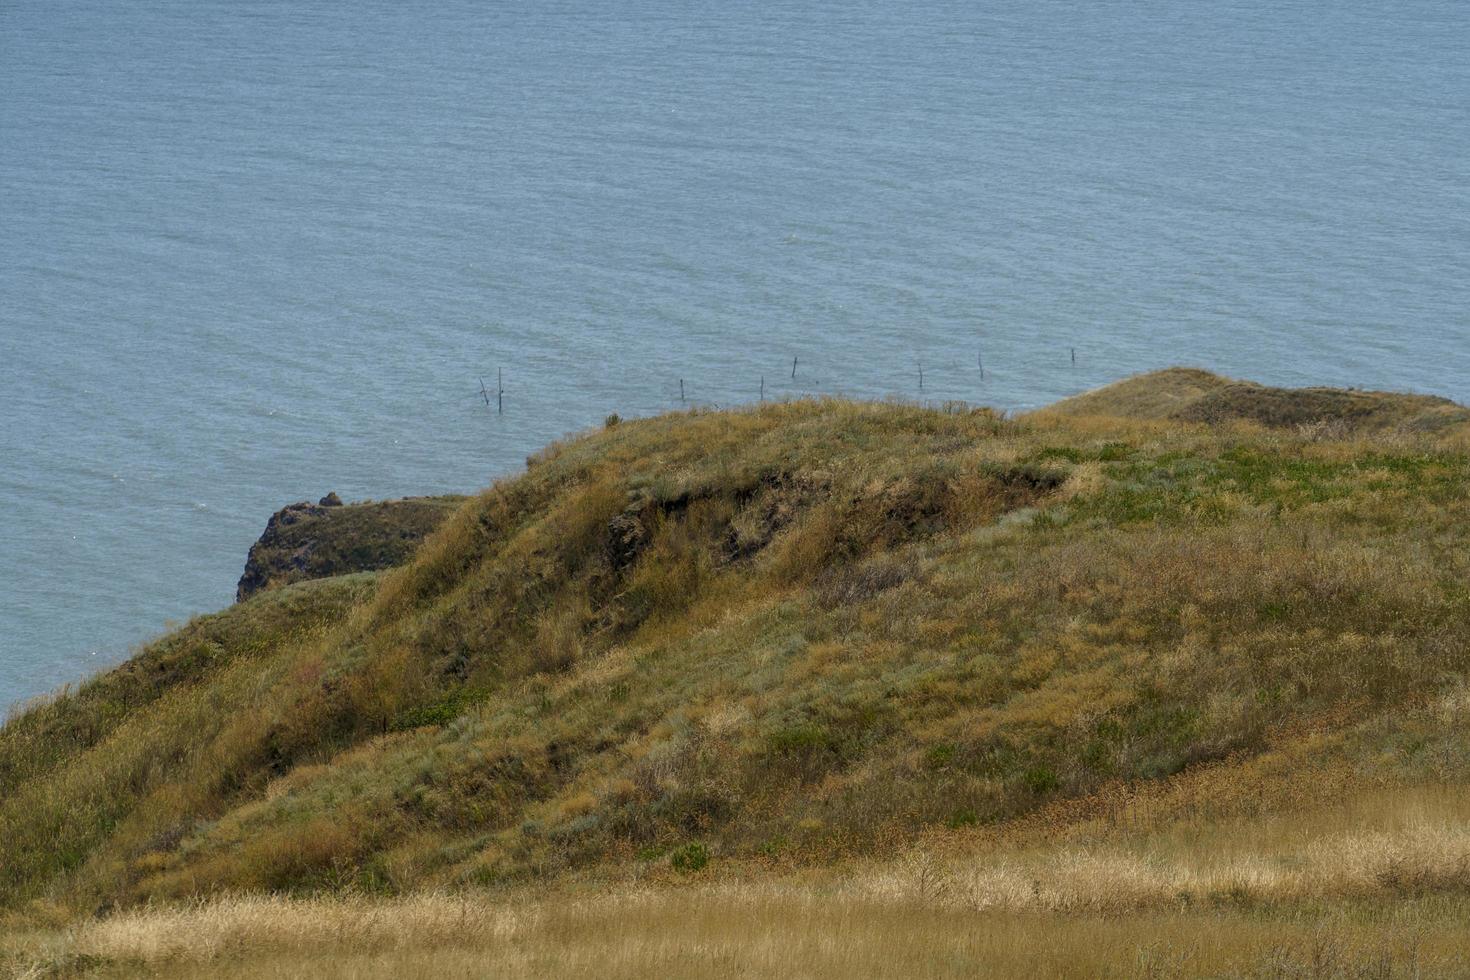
(769, 638)
(73, 766)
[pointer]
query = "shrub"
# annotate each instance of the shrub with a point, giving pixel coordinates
(804, 741)
(1040, 779)
(691, 857)
(939, 756)
(963, 817)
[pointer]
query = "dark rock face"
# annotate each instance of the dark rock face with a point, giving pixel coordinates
(626, 539)
(305, 540)
(265, 563)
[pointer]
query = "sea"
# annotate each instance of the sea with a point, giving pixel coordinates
(258, 250)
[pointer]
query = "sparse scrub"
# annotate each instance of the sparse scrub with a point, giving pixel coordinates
(691, 857)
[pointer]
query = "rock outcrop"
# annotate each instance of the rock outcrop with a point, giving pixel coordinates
(306, 540)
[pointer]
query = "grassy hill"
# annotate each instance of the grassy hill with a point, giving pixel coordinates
(870, 661)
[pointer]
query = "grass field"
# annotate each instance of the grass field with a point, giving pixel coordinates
(734, 693)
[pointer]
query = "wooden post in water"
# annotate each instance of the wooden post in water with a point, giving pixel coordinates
(921, 376)
(1074, 357)
(793, 367)
(500, 391)
(681, 391)
(484, 393)
(980, 363)
(763, 388)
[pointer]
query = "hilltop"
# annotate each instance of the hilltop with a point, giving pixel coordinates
(1192, 395)
(742, 648)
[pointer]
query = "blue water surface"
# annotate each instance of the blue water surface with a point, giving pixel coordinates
(253, 251)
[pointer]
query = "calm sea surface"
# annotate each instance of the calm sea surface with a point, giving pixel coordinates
(254, 251)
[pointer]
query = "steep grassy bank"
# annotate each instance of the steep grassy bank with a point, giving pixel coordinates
(765, 641)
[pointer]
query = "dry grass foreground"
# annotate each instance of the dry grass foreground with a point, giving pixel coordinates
(1354, 891)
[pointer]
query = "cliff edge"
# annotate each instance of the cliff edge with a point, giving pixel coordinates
(307, 541)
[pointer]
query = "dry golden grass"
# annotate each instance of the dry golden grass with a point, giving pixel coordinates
(1378, 847)
(1373, 888)
(756, 935)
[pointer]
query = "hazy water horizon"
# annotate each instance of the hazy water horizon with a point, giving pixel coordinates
(251, 253)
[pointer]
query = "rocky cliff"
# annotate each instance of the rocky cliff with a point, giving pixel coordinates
(306, 540)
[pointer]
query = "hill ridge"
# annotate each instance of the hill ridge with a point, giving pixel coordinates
(1196, 395)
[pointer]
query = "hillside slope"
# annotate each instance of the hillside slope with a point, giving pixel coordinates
(775, 637)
